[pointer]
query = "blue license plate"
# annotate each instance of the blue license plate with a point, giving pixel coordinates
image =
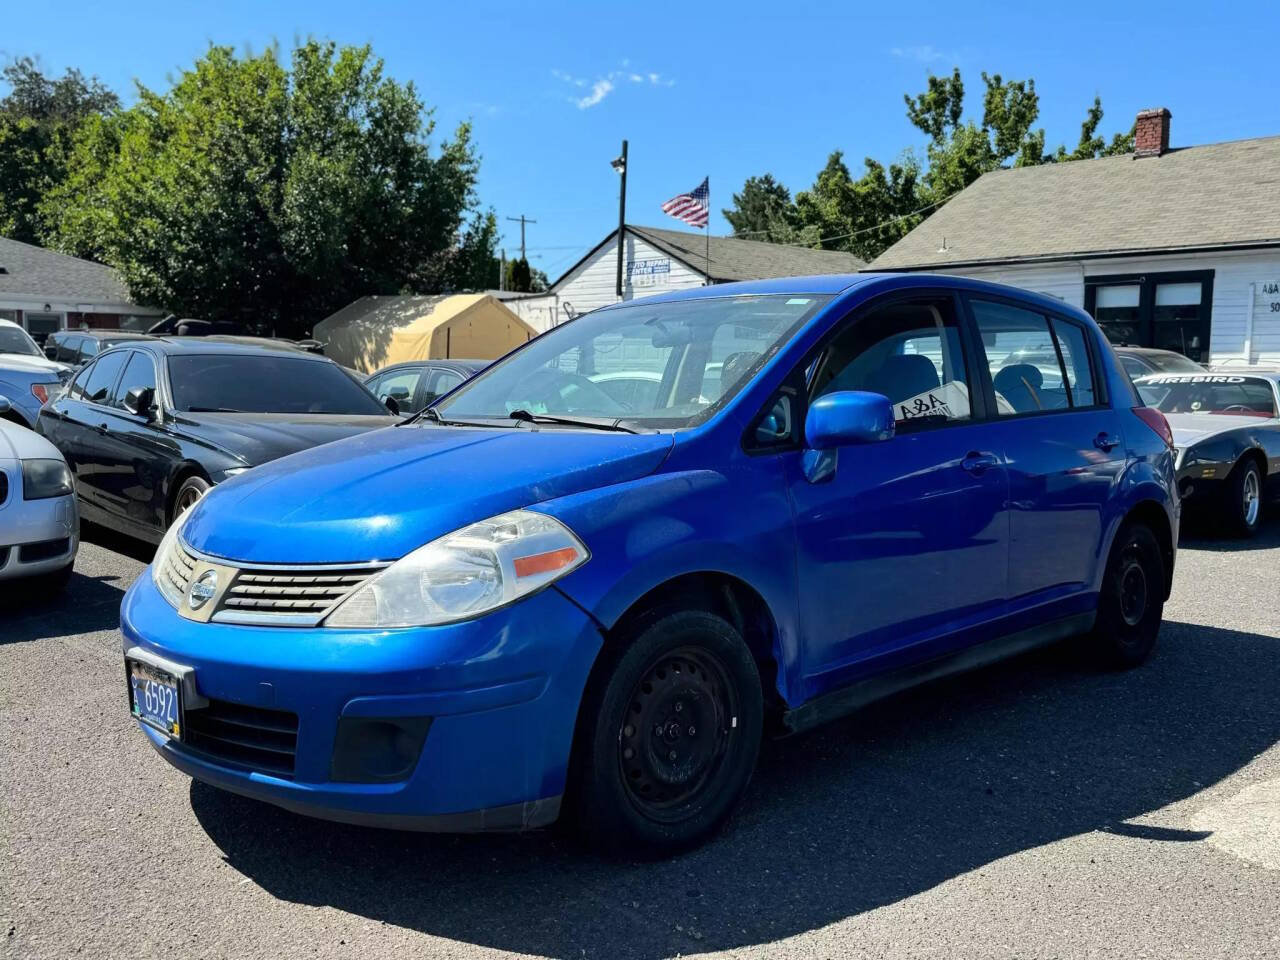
(155, 697)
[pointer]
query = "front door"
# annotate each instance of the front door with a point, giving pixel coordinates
(908, 542)
(1062, 442)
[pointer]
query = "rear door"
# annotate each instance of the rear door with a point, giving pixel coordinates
(1060, 438)
(86, 421)
(906, 544)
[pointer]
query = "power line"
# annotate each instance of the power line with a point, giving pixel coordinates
(846, 236)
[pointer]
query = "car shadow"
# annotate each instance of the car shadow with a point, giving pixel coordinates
(132, 547)
(1204, 532)
(88, 604)
(865, 812)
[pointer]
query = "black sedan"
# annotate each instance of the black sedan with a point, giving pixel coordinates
(1226, 428)
(415, 384)
(149, 426)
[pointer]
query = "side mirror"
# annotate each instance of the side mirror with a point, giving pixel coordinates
(839, 419)
(51, 351)
(140, 401)
(5, 405)
(392, 405)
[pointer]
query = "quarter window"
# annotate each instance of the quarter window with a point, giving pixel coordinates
(1023, 358)
(1075, 358)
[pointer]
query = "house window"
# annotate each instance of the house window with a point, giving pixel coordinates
(1169, 311)
(40, 325)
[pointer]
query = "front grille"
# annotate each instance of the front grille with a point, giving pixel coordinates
(294, 596)
(251, 738)
(310, 593)
(44, 550)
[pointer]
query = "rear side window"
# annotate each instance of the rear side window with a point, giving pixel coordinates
(910, 352)
(1023, 359)
(102, 377)
(1074, 349)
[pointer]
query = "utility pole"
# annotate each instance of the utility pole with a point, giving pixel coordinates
(502, 269)
(620, 164)
(522, 220)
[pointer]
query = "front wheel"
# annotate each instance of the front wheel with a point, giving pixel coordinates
(1244, 499)
(189, 494)
(671, 728)
(1131, 603)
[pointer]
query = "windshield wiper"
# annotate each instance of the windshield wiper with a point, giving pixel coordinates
(213, 410)
(594, 423)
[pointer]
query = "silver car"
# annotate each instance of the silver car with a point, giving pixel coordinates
(39, 522)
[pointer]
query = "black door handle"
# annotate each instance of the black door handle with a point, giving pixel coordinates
(978, 463)
(1104, 441)
(102, 428)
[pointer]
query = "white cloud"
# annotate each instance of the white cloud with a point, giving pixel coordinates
(601, 87)
(599, 90)
(926, 53)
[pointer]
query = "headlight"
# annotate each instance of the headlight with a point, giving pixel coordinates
(161, 563)
(467, 573)
(42, 479)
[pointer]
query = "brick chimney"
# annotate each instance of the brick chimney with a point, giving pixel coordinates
(1151, 137)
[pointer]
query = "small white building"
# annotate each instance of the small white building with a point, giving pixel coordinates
(43, 290)
(658, 261)
(1171, 248)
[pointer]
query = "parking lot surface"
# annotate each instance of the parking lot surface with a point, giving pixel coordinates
(1035, 809)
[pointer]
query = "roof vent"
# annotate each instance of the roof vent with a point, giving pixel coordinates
(3, 268)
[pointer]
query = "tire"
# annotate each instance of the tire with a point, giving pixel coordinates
(1244, 499)
(1131, 602)
(188, 495)
(667, 737)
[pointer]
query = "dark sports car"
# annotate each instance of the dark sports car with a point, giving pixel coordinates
(150, 425)
(1226, 427)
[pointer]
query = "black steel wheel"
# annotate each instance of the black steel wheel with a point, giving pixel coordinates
(1131, 602)
(668, 735)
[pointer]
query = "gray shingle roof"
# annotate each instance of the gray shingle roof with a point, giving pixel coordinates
(37, 272)
(1223, 194)
(735, 259)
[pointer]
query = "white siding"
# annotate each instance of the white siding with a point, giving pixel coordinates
(1238, 282)
(593, 283)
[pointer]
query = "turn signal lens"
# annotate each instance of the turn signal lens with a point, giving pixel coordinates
(41, 392)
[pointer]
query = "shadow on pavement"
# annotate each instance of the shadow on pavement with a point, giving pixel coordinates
(1204, 532)
(873, 809)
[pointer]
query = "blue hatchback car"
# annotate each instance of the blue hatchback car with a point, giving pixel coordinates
(535, 600)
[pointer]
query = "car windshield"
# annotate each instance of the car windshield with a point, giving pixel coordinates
(1209, 393)
(1172, 363)
(247, 383)
(16, 340)
(657, 365)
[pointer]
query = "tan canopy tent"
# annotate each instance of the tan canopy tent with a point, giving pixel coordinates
(374, 332)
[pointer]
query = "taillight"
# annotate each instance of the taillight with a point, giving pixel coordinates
(41, 392)
(1154, 419)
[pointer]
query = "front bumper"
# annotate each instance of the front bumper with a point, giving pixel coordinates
(36, 536)
(501, 693)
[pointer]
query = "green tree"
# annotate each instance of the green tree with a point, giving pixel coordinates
(762, 211)
(273, 194)
(39, 116)
(863, 216)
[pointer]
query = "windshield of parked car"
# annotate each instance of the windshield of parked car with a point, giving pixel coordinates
(246, 383)
(16, 340)
(1172, 363)
(1209, 393)
(657, 365)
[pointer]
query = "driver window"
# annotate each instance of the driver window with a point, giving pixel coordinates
(911, 353)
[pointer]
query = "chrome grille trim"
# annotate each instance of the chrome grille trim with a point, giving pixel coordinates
(280, 595)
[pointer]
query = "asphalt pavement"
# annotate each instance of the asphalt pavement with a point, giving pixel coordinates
(1035, 809)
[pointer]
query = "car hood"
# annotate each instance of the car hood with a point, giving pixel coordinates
(18, 363)
(257, 438)
(1188, 428)
(19, 443)
(383, 494)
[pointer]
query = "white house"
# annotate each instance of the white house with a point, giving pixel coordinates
(1170, 248)
(658, 261)
(43, 291)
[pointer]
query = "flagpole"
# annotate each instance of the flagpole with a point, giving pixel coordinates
(708, 230)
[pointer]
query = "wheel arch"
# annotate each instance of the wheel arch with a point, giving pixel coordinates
(1153, 516)
(177, 477)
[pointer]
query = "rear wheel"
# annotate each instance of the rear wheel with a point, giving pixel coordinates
(1131, 603)
(189, 494)
(1244, 499)
(670, 730)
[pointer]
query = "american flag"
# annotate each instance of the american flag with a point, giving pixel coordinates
(693, 208)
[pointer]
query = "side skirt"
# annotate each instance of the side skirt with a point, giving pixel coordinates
(838, 703)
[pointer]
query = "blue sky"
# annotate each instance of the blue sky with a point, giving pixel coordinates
(728, 89)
